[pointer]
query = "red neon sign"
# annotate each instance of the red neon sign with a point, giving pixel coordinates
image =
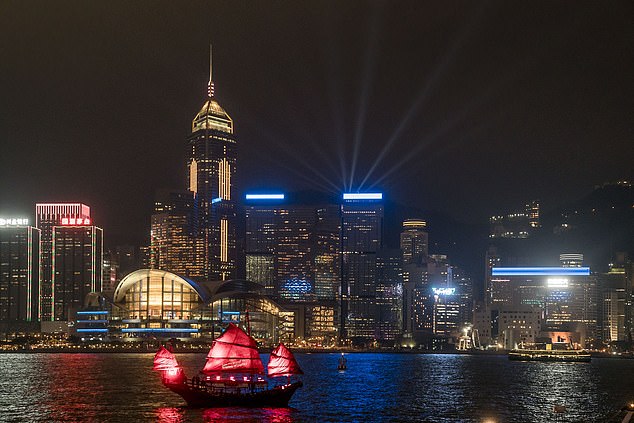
(72, 221)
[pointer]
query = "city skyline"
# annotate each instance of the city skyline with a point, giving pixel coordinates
(109, 116)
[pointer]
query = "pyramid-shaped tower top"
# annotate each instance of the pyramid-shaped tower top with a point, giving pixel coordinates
(211, 115)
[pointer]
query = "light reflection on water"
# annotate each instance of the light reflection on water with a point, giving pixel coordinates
(376, 387)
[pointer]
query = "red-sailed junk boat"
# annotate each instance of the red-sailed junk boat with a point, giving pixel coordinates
(233, 374)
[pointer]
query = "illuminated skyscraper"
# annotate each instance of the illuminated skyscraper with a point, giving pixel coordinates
(49, 215)
(292, 249)
(262, 215)
(566, 295)
(77, 263)
(414, 241)
(174, 244)
(19, 274)
(389, 294)
(212, 168)
(361, 240)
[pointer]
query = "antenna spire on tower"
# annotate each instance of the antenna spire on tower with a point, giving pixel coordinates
(210, 84)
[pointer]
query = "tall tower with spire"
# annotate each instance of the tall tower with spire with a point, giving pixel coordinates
(212, 166)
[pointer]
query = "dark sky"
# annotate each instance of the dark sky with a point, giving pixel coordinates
(468, 108)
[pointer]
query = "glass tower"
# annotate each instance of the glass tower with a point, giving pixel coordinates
(212, 167)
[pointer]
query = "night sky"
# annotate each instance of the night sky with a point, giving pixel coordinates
(465, 108)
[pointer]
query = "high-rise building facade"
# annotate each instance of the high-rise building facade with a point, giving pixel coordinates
(212, 157)
(567, 296)
(262, 222)
(174, 244)
(77, 266)
(389, 295)
(361, 240)
(414, 241)
(615, 289)
(47, 217)
(292, 249)
(19, 274)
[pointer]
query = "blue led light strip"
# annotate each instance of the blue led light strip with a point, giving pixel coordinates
(363, 196)
(540, 271)
(265, 196)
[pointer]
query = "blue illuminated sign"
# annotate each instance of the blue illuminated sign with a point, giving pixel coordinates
(92, 321)
(265, 196)
(216, 200)
(540, 271)
(92, 312)
(363, 196)
(92, 330)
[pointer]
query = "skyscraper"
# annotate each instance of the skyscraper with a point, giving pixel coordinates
(47, 216)
(292, 249)
(77, 266)
(361, 240)
(174, 245)
(19, 273)
(414, 241)
(389, 298)
(212, 168)
(261, 220)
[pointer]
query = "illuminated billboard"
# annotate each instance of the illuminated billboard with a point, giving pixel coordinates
(540, 271)
(363, 196)
(444, 291)
(14, 221)
(265, 196)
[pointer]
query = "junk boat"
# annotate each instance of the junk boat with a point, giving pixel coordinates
(550, 355)
(233, 374)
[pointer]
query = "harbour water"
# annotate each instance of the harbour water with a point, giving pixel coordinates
(375, 388)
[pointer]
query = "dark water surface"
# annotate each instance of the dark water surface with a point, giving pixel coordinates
(375, 388)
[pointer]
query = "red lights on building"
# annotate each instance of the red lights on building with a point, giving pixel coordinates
(71, 221)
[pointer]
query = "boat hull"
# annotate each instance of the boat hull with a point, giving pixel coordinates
(550, 355)
(195, 396)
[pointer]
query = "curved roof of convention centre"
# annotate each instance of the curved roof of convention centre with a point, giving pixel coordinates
(208, 291)
(132, 278)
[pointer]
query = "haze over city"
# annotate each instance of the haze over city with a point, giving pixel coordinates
(316, 211)
(483, 105)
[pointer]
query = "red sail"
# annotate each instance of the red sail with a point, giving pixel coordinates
(234, 351)
(164, 360)
(283, 363)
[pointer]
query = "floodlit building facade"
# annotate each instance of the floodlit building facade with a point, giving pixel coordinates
(212, 160)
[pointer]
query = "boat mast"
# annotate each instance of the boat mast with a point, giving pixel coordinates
(248, 322)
